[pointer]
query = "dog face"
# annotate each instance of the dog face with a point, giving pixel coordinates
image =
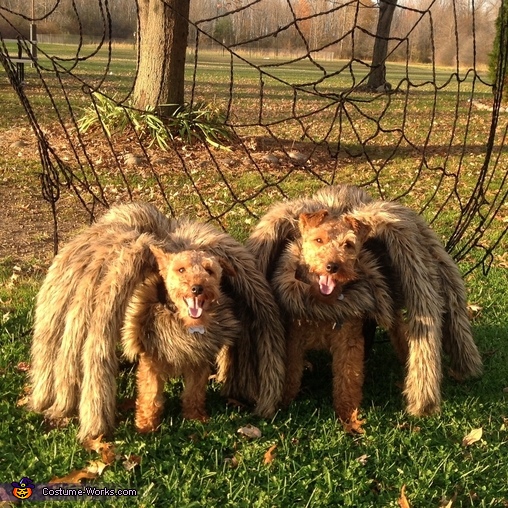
(192, 280)
(330, 249)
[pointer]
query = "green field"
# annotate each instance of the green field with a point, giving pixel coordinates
(189, 464)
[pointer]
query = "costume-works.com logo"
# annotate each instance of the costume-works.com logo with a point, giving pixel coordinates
(23, 489)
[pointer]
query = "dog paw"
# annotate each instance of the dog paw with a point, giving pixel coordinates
(196, 414)
(147, 426)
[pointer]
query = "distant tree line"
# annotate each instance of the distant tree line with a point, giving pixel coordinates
(424, 30)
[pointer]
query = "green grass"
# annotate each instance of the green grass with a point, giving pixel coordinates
(188, 464)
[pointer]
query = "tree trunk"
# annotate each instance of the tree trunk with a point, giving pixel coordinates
(162, 44)
(377, 76)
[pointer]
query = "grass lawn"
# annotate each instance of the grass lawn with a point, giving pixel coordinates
(314, 463)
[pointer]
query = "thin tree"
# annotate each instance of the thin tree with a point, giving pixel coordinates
(377, 76)
(162, 44)
(498, 58)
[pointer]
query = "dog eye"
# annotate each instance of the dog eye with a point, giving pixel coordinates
(181, 270)
(350, 244)
(319, 240)
(209, 271)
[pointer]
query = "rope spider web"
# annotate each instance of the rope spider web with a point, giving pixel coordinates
(291, 80)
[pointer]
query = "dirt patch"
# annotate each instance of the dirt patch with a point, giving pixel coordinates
(27, 229)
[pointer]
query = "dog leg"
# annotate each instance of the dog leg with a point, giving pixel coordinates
(347, 349)
(295, 362)
(150, 398)
(399, 338)
(194, 392)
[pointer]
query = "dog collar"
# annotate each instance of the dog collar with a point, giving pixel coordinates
(197, 329)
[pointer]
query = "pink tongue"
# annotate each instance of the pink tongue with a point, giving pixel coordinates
(326, 284)
(195, 309)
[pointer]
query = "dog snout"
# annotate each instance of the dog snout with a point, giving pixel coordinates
(332, 267)
(197, 289)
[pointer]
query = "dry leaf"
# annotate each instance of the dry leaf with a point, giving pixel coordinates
(105, 449)
(131, 462)
(362, 459)
(94, 445)
(96, 467)
(354, 425)
(23, 366)
(448, 504)
(23, 401)
(232, 461)
(473, 311)
(503, 259)
(474, 436)
(409, 426)
(270, 455)
(250, 431)
(403, 502)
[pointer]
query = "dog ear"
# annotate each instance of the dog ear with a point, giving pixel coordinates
(361, 229)
(312, 220)
(227, 267)
(161, 258)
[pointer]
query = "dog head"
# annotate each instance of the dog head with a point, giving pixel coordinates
(192, 279)
(330, 249)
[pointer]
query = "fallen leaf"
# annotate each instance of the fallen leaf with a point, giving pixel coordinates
(250, 431)
(362, 459)
(408, 426)
(270, 455)
(23, 401)
(12, 280)
(96, 467)
(232, 461)
(93, 445)
(474, 436)
(448, 504)
(131, 462)
(403, 502)
(105, 449)
(23, 366)
(474, 311)
(354, 425)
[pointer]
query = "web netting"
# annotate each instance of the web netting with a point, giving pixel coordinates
(293, 82)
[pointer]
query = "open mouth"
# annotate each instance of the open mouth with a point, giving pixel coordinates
(326, 284)
(195, 307)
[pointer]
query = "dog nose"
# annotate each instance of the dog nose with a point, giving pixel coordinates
(332, 267)
(197, 289)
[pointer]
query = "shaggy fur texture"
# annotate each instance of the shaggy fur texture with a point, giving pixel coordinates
(81, 307)
(400, 265)
(434, 297)
(177, 322)
(315, 319)
(79, 313)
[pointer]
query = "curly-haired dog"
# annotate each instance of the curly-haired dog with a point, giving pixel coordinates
(81, 307)
(177, 322)
(329, 237)
(321, 313)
